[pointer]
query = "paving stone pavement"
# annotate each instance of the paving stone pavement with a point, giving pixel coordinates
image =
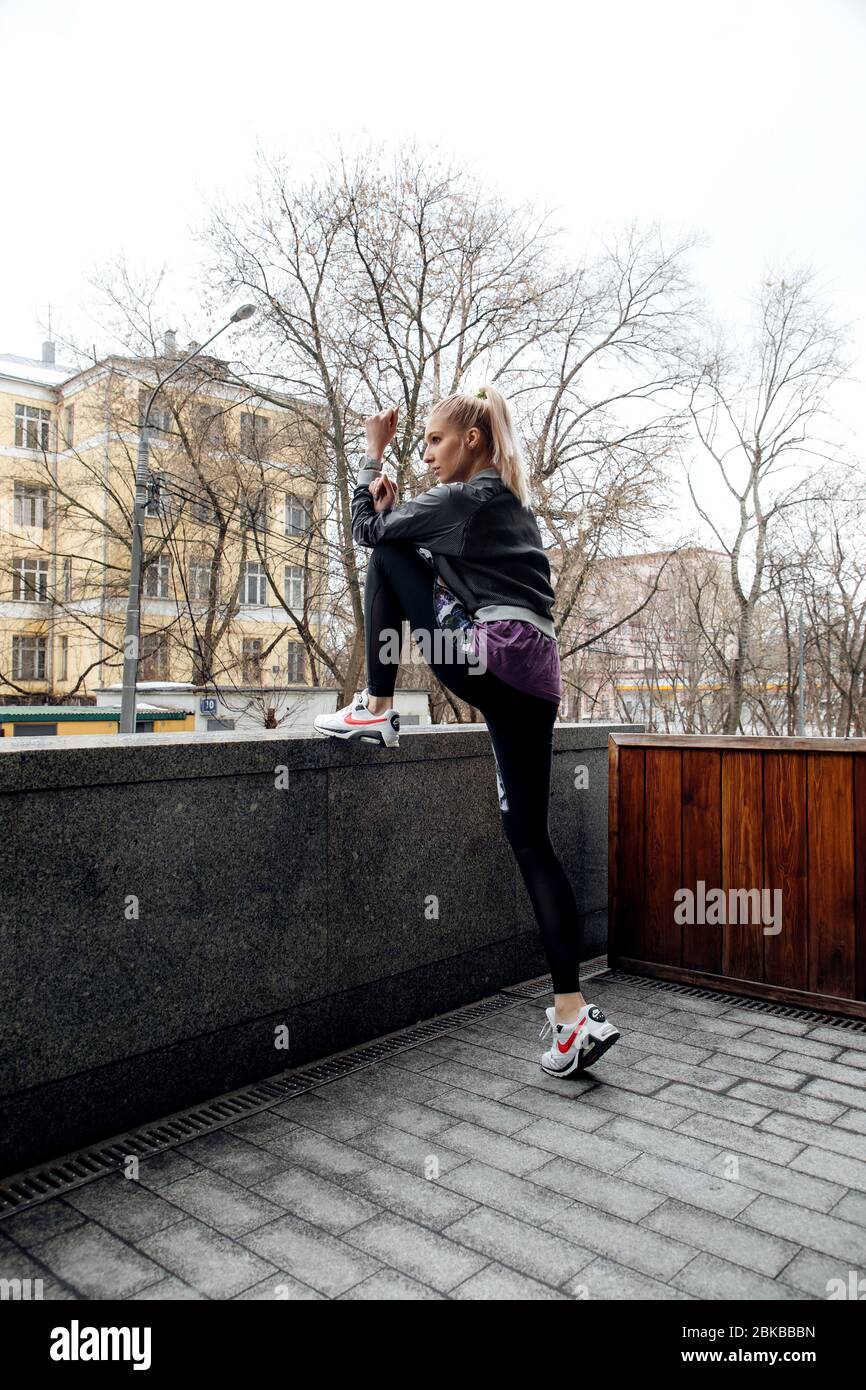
(715, 1152)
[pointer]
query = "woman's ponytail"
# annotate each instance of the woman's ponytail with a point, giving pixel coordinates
(488, 410)
(506, 453)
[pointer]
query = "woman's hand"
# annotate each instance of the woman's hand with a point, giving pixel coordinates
(384, 493)
(380, 430)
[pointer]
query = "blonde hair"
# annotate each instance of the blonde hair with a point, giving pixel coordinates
(487, 410)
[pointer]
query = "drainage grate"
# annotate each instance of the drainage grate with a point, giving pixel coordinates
(534, 989)
(759, 1006)
(40, 1184)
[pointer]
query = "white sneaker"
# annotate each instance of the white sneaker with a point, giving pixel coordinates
(563, 1056)
(578, 1044)
(355, 720)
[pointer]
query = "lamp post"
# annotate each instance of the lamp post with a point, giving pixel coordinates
(142, 473)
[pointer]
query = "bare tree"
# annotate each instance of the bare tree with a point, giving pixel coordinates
(396, 281)
(816, 575)
(757, 412)
(379, 284)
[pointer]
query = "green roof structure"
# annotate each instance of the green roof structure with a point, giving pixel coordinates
(40, 714)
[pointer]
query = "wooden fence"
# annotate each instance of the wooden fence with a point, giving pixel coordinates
(740, 863)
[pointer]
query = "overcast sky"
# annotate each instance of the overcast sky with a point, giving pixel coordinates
(742, 121)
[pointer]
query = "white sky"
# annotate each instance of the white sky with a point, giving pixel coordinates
(743, 121)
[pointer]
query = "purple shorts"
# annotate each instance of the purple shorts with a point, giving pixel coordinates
(513, 649)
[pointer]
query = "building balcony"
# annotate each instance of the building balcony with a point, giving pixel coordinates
(284, 973)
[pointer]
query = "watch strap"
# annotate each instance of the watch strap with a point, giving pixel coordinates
(368, 469)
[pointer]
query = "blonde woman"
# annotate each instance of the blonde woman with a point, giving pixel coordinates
(481, 607)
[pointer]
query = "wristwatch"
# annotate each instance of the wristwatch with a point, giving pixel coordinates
(368, 469)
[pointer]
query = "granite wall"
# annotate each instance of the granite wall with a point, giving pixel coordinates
(173, 906)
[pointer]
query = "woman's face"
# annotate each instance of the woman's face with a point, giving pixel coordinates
(448, 452)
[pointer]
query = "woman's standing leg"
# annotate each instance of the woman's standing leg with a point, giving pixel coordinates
(399, 584)
(521, 731)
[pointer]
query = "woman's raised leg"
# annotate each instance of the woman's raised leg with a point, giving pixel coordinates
(398, 586)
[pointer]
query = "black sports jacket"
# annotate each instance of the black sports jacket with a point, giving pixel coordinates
(482, 541)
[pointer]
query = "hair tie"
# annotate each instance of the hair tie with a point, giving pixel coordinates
(482, 393)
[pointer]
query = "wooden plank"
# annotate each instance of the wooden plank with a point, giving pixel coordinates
(702, 850)
(786, 956)
(830, 810)
(630, 850)
(748, 742)
(612, 848)
(663, 938)
(860, 874)
(751, 989)
(742, 863)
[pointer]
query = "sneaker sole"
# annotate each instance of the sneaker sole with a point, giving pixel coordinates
(373, 736)
(573, 1066)
(592, 1054)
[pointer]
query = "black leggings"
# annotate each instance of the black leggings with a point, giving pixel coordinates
(398, 586)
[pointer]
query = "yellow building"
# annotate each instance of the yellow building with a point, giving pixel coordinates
(234, 564)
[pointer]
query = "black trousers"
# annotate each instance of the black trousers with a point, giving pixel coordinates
(399, 586)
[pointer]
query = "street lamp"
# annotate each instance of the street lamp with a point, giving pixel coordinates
(142, 474)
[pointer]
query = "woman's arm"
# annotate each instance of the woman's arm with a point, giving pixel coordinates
(434, 519)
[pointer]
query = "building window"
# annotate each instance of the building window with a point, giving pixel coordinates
(154, 662)
(254, 512)
(63, 659)
(204, 511)
(254, 433)
(255, 583)
(294, 588)
(252, 659)
(295, 662)
(33, 730)
(66, 581)
(144, 726)
(159, 420)
(211, 424)
(69, 426)
(201, 568)
(30, 579)
(157, 578)
(30, 505)
(28, 658)
(297, 515)
(32, 427)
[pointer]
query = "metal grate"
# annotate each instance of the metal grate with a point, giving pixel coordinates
(33, 1186)
(534, 989)
(760, 1006)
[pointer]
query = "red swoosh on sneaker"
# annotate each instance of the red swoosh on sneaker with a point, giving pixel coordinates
(570, 1041)
(349, 720)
